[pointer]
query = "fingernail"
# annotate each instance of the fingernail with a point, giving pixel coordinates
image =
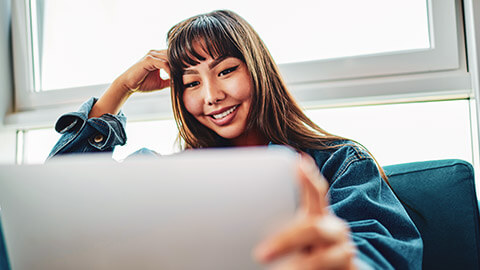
(331, 227)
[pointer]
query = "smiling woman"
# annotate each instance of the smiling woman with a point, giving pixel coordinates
(228, 91)
(219, 63)
(218, 94)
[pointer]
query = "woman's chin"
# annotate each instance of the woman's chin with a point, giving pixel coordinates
(230, 135)
(244, 138)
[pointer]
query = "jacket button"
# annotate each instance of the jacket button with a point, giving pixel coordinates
(98, 138)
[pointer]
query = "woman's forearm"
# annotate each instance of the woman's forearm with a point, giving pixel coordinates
(111, 101)
(143, 76)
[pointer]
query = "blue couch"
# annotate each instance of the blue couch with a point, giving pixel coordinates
(440, 198)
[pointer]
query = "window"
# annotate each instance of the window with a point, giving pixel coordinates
(315, 43)
(394, 133)
(37, 144)
(73, 52)
(348, 48)
(400, 133)
(334, 55)
(158, 135)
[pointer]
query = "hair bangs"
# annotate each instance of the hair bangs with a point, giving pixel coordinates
(205, 34)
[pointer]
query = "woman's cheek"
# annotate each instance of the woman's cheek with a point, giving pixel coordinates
(242, 88)
(192, 103)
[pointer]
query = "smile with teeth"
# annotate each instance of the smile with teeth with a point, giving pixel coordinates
(225, 113)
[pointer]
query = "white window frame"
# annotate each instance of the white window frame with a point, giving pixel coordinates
(443, 54)
(433, 73)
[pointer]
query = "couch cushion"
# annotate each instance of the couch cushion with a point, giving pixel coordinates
(440, 198)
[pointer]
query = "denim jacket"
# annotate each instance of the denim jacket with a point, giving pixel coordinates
(385, 236)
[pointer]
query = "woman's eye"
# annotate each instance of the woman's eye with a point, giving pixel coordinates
(228, 70)
(192, 84)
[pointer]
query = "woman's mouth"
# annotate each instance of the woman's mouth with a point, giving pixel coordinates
(225, 113)
(226, 117)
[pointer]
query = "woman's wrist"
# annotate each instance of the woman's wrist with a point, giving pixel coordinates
(112, 100)
(120, 88)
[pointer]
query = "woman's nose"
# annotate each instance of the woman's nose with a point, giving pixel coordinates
(213, 93)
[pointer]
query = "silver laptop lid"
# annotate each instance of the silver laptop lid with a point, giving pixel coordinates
(202, 209)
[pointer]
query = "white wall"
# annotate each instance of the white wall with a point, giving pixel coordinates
(7, 147)
(7, 136)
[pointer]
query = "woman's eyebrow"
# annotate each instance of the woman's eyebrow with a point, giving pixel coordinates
(189, 71)
(217, 61)
(212, 65)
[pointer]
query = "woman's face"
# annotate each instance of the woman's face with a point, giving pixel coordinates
(218, 93)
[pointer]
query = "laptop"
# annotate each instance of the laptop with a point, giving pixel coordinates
(201, 209)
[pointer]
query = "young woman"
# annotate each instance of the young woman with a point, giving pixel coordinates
(227, 91)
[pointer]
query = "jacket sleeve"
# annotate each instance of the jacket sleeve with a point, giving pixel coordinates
(80, 134)
(385, 236)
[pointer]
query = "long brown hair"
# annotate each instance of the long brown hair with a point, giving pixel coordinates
(274, 112)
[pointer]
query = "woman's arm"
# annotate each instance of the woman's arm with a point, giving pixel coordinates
(98, 126)
(144, 76)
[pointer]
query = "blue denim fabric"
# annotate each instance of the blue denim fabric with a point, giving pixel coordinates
(80, 134)
(385, 236)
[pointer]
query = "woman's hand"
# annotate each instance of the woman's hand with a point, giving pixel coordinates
(317, 239)
(144, 76)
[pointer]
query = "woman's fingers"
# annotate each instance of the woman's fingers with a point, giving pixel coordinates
(145, 74)
(162, 54)
(156, 63)
(332, 257)
(151, 82)
(313, 187)
(160, 60)
(303, 236)
(318, 239)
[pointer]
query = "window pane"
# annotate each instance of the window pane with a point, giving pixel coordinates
(155, 135)
(402, 133)
(90, 42)
(159, 136)
(38, 144)
(393, 133)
